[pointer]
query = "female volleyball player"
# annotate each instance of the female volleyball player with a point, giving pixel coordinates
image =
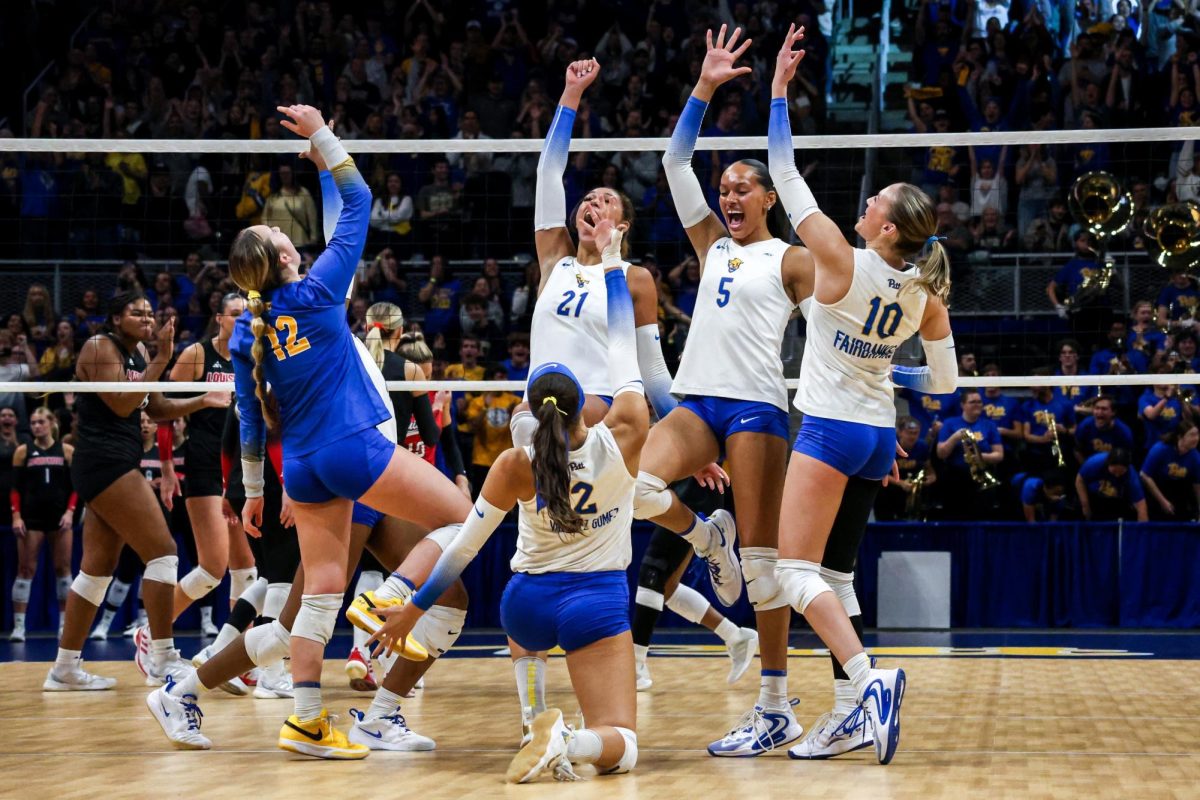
(327, 408)
(121, 504)
(736, 398)
(574, 487)
(42, 505)
(866, 302)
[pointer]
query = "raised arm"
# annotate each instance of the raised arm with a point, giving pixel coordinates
(819, 233)
(550, 234)
(702, 224)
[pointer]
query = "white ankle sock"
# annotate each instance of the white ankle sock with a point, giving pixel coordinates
(396, 586)
(584, 746)
(67, 660)
(19, 620)
(698, 535)
(845, 696)
(205, 615)
(640, 652)
(858, 669)
(383, 704)
(727, 631)
(772, 689)
(160, 649)
(308, 701)
(190, 684)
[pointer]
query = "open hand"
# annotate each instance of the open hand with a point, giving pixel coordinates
(713, 477)
(788, 59)
(302, 120)
(398, 622)
(718, 66)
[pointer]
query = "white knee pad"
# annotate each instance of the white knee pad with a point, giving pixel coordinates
(651, 498)
(23, 586)
(842, 584)
(522, 426)
(268, 644)
(802, 582)
(438, 629)
(241, 579)
(276, 599)
(196, 583)
(629, 757)
(164, 569)
(762, 584)
(316, 617)
(688, 603)
(444, 535)
(91, 588)
(61, 587)
(650, 598)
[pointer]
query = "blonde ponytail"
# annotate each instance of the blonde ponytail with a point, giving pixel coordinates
(915, 219)
(935, 273)
(382, 318)
(254, 267)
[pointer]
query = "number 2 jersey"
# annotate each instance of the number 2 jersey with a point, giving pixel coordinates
(846, 371)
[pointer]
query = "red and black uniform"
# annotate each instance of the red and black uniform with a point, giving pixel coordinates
(43, 487)
(205, 429)
(106, 445)
(7, 449)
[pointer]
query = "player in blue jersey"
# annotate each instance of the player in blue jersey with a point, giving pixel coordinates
(326, 406)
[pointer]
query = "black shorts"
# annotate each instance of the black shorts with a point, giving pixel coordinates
(44, 520)
(277, 551)
(203, 483)
(91, 476)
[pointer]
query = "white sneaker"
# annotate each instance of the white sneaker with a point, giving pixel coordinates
(170, 665)
(881, 699)
(179, 717)
(17, 635)
(834, 734)
(141, 650)
(387, 733)
(274, 682)
(132, 627)
(644, 681)
(233, 686)
(546, 750)
(100, 632)
(77, 680)
(527, 716)
(759, 731)
(207, 629)
(741, 652)
(723, 568)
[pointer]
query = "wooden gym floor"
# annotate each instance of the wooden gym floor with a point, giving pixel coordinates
(973, 727)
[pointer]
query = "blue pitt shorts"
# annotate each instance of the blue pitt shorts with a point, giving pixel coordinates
(571, 609)
(725, 417)
(365, 515)
(852, 448)
(345, 469)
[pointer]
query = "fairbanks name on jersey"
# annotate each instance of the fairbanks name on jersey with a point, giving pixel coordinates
(742, 309)
(846, 370)
(570, 323)
(602, 492)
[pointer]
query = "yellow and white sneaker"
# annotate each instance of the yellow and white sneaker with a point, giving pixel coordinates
(362, 615)
(546, 750)
(319, 739)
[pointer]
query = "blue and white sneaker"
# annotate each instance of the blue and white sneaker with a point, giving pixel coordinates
(387, 733)
(834, 734)
(759, 731)
(179, 717)
(724, 569)
(881, 700)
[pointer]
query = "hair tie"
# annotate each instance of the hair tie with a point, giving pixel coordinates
(379, 325)
(554, 400)
(253, 295)
(935, 238)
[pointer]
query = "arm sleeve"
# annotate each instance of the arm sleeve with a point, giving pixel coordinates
(331, 204)
(402, 409)
(275, 454)
(336, 266)
(14, 500)
(166, 441)
(480, 525)
(690, 204)
(550, 198)
(623, 372)
(940, 377)
(253, 427)
(655, 375)
(422, 410)
(450, 452)
(798, 200)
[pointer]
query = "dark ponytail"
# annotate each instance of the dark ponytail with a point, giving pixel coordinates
(554, 401)
(778, 224)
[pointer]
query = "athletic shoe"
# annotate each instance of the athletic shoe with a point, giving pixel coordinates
(644, 681)
(759, 731)
(207, 629)
(250, 677)
(170, 666)
(358, 670)
(527, 716)
(233, 686)
(882, 698)
(318, 738)
(179, 717)
(100, 632)
(77, 680)
(274, 682)
(546, 750)
(361, 614)
(132, 628)
(723, 568)
(17, 635)
(141, 650)
(387, 733)
(741, 652)
(834, 734)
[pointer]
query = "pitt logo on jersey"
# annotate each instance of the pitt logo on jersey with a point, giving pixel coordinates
(734, 264)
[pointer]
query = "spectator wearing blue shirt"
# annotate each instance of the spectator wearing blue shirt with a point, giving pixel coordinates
(1081, 268)
(1038, 414)
(440, 298)
(1068, 365)
(516, 366)
(1144, 334)
(1171, 474)
(1108, 487)
(1043, 499)
(1178, 299)
(1102, 431)
(1005, 414)
(1161, 412)
(931, 410)
(963, 496)
(896, 500)
(1120, 358)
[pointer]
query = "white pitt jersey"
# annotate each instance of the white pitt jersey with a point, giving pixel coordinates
(742, 308)
(602, 491)
(388, 426)
(846, 371)
(570, 324)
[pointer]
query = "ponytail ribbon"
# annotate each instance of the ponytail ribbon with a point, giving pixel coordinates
(253, 295)
(554, 400)
(935, 238)
(379, 326)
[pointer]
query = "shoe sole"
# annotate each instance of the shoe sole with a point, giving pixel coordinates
(856, 747)
(370, 623)
(763, 752)
(320, 751)
(355, 670)
(178, 745)
(738, 670)
(51, 685)
(372, 743)
(535, 756)
(363, 685)
(893, 732)
(644, 686)
(271, 694)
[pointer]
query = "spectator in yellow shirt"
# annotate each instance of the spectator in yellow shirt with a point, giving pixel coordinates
(290, 208)
(488, 415)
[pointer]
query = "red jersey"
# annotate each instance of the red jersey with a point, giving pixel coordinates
(412, 439)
